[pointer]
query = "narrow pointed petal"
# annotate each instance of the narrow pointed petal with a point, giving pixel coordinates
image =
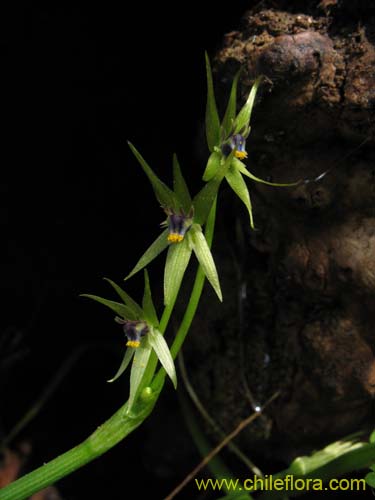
(243, 118)
(177, 261)
(237, 183)
(164, 195)
(141, 357)
(132, 304)
(153, 251)
(213, 165)
(230, 112)
(162, 351)
(120, 309)
(180, 188)
(242, 168)
(147, 303)
(204, 199)
(124, 364)
(212, 116)
(205, 259)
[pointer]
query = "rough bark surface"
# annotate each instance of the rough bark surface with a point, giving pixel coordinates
(300, 291)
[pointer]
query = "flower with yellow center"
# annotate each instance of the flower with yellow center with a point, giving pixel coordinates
(238, 144)
(178, 224)
(134, 331)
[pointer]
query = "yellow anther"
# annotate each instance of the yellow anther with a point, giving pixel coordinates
(175, 238)
(132, 343)
(240, 154)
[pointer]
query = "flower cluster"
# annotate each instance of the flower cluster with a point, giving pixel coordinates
(183, 235)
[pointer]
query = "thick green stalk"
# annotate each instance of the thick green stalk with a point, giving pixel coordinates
(121, 423)
(104, 438)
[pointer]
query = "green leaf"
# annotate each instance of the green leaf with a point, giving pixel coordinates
(137, 310)
(164, 195)
(242, 168)
(180, 188)
(177, 261)
(153, 251)
(237, 183)
(125, 362)
(162, 351)
(243, 118)
(205, 259)
(147, 303)
(307, 464)
(204, 199)
(117, 307)
(141, 357)
(212, 116)
(230, 113)
(213, 165)
(370, 479)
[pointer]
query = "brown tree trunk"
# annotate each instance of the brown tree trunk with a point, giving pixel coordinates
(299, 292)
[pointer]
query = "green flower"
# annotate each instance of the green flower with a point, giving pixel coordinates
(140, 325)
(229, 137)
(183, 234)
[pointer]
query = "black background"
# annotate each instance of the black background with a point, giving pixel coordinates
(77, 83)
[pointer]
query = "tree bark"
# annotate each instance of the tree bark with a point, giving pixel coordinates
(299, 299)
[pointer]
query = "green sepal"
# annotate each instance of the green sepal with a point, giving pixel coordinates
(242, 168)
(243, 118)
(148, 304)
(180, 187)
(205, 259)
(120, 309)
(230, 112)
(203, 201)
(212, 116)
(212, 166)
(178, 257)
(164, 195)
(151, 253)
(141, 357)
(129, 353)
(128, 301)
(162, 351)
(372, 437)
(237, 183)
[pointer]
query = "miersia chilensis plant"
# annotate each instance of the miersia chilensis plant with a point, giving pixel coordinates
(188, 229)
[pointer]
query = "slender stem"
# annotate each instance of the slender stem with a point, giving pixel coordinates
(153, 361)
(121, 423)
(194, 298)
(244, 423)
(207, 417)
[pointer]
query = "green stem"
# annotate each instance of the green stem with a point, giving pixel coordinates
(194, 298)
(351, 461)
(197, 289)
(104, 438)
(121, 423)
(153, 361)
